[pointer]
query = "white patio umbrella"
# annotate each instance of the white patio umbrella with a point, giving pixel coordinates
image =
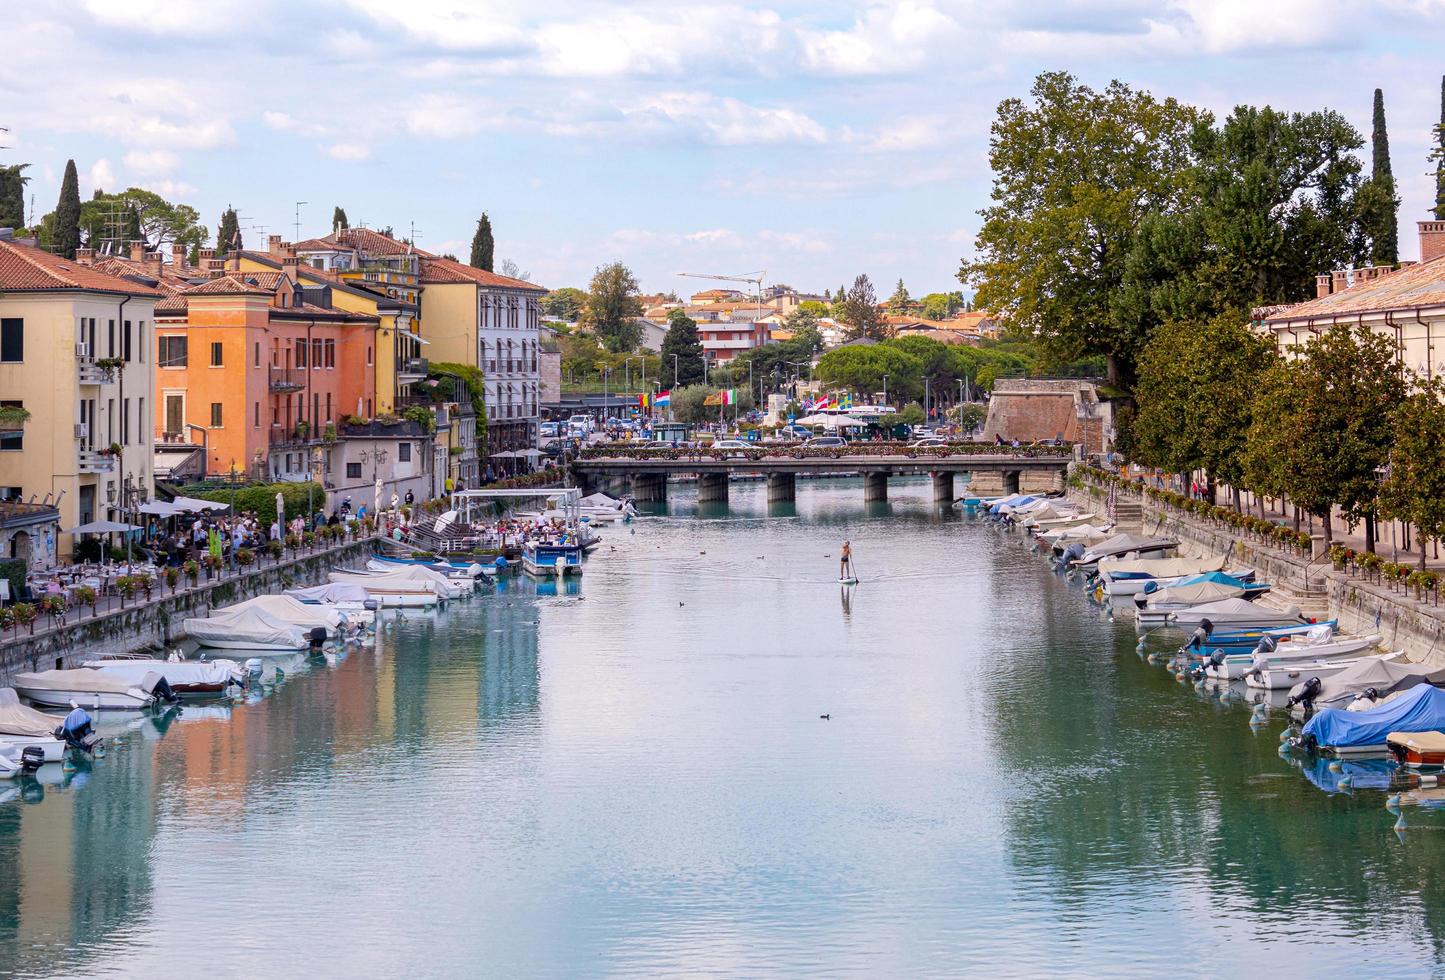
(159, 508)
(193, 504)
(102, 527)
(280, 508)
(376, 498)
(843, 422)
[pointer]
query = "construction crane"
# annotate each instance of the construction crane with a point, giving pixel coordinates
(755, 278)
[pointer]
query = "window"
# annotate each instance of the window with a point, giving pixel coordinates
(140, 420)
(330, 350)
(353, 471)
(140, 330)
(256, 416)
(368, 355)
(316, 353)
(403, 452)
(110, 348)
(125, 422)
(12, 440)
(125, 343)
(12, 340)
(215, 415)
(300, 353)
(328, 406)
(257, 361)
(217, 354)
(174, 351)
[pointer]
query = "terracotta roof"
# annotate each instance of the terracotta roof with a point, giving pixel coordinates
(439, 270)
(233, 284)
(1417, 285)
(322, 245)
(26, 269)
(172, 304)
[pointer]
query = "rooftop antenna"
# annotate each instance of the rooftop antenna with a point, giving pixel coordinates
(5, 129)
(411, 238)
(298, 220)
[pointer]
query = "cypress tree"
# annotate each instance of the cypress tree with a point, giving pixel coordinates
(1439, 156)
(67, 213)
(228, 231)
(482, 244)
(1385, 227)
(338, 220)
(133, 231)
(12, 196)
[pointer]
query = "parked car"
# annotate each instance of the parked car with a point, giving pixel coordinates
(581, 423)
(550, 430)
(734, 449)
(826, 442)
(928, 443)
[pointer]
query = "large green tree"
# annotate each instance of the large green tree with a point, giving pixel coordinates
(1195, 396)
(483, 245)
(612, 308)
(564, 304)
(1323, 425)
(900, 301)
(339, 220)
(681, 342)
(228, 233)
(1414, 489)
(67, 214)
(866, 370)
(110, 222)
(1075, 172)
(12, 195)
(940, 306)
(1379, 207)
(860, 312)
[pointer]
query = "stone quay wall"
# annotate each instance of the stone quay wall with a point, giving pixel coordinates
(159, 621)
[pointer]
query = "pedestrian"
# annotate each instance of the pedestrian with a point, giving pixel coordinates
(845, 561)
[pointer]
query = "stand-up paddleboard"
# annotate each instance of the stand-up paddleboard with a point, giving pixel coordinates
(847, 581)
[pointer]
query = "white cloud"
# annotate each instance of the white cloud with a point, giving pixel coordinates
(905, 133)
(883, 40)
(350, 152)
(166, 17)
(101, 176)
(171, 189)
(727, 121)
(151, 163)
(284, 122)
(444, 117)
(481, 27)
(796, 241)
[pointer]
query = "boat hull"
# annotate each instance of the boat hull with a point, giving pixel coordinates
(89, 700)
(53, 748)
(1283, 677)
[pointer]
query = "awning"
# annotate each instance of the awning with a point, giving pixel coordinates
(159, 508)
(192, 504)
(527, 453)
(504, 455)
(102, 527)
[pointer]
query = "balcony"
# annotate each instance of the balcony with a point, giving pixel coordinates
(411, 370)
(294, 436)
(92, 461)
(87, 373)
(287, 379)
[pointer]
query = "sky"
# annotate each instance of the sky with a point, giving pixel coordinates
(814, 141)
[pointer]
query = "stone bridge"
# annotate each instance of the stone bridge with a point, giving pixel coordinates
(989, 474)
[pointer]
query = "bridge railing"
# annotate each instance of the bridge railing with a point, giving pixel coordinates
(646, 451)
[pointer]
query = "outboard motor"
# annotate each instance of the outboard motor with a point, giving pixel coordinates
(1373, 693)
(32, 757)
(1151, 587)
(1267, 644)
(370, 605)
(1207, 627)
(1217, 658)
(1307, 694)
(77, 732)
(317, 637)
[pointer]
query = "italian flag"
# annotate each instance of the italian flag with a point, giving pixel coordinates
(729, 396)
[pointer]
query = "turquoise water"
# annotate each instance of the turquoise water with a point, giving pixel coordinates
(632, 777)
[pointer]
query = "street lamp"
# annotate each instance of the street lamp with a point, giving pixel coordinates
(231, 478)
(885, 391)
(674, 370)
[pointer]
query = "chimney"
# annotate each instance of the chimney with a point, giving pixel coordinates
(153, 262)
(273, 244)
(289, 263)
(84, 256)
(178, 258)
(212, 264)
(1432, 240)
(1322, 286)
(1342, 280)
(206, 254)
(137, 251)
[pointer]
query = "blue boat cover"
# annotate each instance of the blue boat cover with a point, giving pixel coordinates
(1420, 709)
(1011, 503)
(1221, 577)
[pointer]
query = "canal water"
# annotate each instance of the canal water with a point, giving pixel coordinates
(632, 777)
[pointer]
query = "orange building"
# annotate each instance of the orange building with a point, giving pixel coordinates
(259, 369)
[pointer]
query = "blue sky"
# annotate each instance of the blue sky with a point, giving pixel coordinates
(812, 140)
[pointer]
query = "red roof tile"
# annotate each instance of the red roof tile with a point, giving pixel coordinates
(234, 284)
(26, 269)
(1422, 284)
(439, 270)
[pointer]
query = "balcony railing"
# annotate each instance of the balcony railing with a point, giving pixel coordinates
(414, 365)
(92, 461)
(287, 379)
(87, 372)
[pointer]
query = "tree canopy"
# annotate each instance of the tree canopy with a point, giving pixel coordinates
(859, 310)
(112, 221)
(564, 304)
(482, 245)
(612, 308)
(681, 342)
(12, 195)
(66, 227)
(228, 233)
(1414, 490)
(339, 220)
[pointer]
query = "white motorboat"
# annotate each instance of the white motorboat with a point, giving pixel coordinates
(445, 587)
(247, 629)
(1153, 607)
(1277, 677)
(308, 616)
(539, 558)
(184, 676)
(391, 590)
(1122, 576)
(463, 575)
(1366, 684)
(1235, 614)
(350, 599)
(1297, 650)
(1124, 545)
(90, 689)
(22, 726)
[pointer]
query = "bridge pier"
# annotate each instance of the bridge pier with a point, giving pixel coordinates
(875, 487)
(1040, 481)
(782, 488)
(712, 488)
(986, 483)
(649, 488)
(942, 488)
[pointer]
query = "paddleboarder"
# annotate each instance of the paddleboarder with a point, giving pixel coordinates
(845, 562)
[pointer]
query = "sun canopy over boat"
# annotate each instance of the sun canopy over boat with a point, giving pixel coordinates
(1421, 709)
(23, 720)
(1159, 567)
(1238, 614)
(1195, 593)
(289, 610)
(1124, 544)
(600, 500)
(248, 628)
(332, 592)
(1384, 677)
(84, 682)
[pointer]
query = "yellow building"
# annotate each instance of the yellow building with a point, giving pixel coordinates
(76, 353)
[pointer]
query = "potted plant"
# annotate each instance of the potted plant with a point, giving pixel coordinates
(309, 539)
(302, 428)
(110, 365)
(85, 596)
(173, 578)
(146, 583)
(274, 549)
(7, 618)
(213, 565)
(126, 586)
(192, 569)
(24, 615)
(245, 557)
(293, 541)
(54, 607)
(13, 416)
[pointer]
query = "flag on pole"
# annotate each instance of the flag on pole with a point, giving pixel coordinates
(729, 396)
(663, 399)
(643, 401)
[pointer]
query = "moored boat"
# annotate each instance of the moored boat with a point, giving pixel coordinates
(1417, 750)
(1345, 733)
(552, 559)
(1319, 647)
(391, 590)
(88, 688)
(1365, 684)
(183, 676)
(1279, 676)
(248, 629)
(21, 726)
(1235, 613)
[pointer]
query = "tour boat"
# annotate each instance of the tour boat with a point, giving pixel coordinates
(1237, 613)
(1278, 676)
(552, 559)
(1347, 733)
(1301, 650)
(390, 590)
(248, 629)
(92, 689)
(183, 676)
(22, 726)
(1417, 749)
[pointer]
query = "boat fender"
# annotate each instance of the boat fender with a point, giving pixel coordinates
(1346, 781)
(371, 605)
(1392, 803)
(32, 757)
(317, 637)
